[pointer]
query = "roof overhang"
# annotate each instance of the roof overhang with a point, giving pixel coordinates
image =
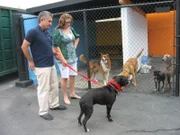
(71, 5)
(74, 5)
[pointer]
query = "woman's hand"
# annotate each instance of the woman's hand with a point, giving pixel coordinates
(64, 62)
(59, 56)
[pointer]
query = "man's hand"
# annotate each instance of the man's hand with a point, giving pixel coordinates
(31, 65)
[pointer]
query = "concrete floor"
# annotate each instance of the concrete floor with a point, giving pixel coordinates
(137, 111)
(133, 114)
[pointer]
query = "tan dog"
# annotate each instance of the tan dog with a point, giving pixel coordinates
(131, 67)
(103, 65)
(169, 71)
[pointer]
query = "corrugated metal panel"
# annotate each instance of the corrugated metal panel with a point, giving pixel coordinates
(8, 62)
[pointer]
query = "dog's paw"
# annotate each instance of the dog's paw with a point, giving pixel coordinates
(87, 130)
(171, 93)
(80, 124)
(162, 91)
(110, 119)
(134, 84)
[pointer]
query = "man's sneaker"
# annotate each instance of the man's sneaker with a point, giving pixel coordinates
(60, 107)
(47, 116)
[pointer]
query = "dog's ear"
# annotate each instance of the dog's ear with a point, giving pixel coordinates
(170, 58)
(157, 71)
(101, 53)
(167, 57)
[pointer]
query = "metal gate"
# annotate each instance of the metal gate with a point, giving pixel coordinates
(8, 63)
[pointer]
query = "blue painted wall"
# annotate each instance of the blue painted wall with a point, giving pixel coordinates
(29, 24)
(77, 25)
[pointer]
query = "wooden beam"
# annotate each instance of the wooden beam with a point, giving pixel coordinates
(134, 8)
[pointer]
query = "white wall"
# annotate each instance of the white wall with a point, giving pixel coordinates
(134, 34)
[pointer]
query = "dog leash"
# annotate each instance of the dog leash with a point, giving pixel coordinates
(88, 79)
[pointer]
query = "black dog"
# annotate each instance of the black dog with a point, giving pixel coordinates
(105, 95)
(158, 78)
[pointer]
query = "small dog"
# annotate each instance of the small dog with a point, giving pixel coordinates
(158, 78)
(130, 68)
(103, 65)
(169, 71)
(105, 95)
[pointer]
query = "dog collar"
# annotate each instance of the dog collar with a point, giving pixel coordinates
(115, 85)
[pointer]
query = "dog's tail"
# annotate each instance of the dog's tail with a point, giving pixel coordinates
(82, 59)
(139, 54)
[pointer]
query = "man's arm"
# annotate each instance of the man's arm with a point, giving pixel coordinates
(26, 52)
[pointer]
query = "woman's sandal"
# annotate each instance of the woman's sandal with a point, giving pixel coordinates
(75, 97)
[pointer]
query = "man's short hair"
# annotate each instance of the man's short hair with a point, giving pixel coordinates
(44, 14)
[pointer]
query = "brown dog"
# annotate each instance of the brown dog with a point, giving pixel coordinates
(131, 67)
(103, 64)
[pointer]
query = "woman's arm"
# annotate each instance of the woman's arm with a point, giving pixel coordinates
(76, 37)
(60, 55)
(76, 43)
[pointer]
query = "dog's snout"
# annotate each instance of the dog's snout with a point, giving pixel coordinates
(103, 58)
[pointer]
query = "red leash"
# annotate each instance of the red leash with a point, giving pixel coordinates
(93, 81)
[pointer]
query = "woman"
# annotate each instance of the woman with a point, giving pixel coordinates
(65, 41)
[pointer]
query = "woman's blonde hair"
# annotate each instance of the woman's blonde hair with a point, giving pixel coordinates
(62, 20)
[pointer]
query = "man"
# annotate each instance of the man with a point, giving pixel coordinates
(42, 63)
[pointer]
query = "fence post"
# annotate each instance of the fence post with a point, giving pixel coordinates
(86, 44)
(25, 61)
(177, 46)
(21, 60)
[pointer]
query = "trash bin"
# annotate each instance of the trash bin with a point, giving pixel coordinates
(144, 59)
(144, 64)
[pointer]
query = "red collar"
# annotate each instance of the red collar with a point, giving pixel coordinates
(115, 85)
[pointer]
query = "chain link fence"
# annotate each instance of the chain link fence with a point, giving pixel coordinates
(122, 32)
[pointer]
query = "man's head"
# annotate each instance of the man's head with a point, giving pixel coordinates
(45, 19)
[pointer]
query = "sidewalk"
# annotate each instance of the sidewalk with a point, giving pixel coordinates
(133, 114)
